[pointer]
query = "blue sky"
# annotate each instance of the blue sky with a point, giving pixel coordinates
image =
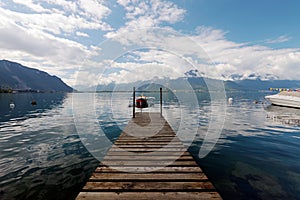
(248, 21)
(66, 38)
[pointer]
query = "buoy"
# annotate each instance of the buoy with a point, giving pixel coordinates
(230, 100)
(33, 102)
(11, 105)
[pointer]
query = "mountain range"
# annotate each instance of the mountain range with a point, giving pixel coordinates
(199, 84)
(197, 81)
(258, 84)
(14, 76)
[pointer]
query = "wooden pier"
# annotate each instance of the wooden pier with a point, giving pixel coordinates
(148, 161)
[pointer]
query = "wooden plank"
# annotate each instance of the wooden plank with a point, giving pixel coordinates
(144, 158)
(148, 176)
(154, 140)
(156, 153)
(146, 134)
(149, 149)
(125, 136)
(148, 161)
(147, 146)
(148, 195)
(147, 186)
(147, 141)
(102, 169)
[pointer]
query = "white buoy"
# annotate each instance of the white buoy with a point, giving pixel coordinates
(11, 105)
(230, 100)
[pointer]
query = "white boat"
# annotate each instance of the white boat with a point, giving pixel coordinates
(285, 98)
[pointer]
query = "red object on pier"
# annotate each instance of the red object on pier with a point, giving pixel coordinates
(141, 102)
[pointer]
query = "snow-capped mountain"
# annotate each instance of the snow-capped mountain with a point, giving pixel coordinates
(194, 73)
(249, 76)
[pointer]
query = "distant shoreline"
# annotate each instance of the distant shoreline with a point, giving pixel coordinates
(11, 91)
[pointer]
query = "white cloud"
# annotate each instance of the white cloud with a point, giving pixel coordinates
(94, 8)
(54, 22)
(39, 44)
(84, 78)
(38, 49)
(67, 6)
(38, 33)
(280, 39)
(81, 34)
(148, 13)
(41, 37)
(133, 71)
(248, 58)
(229, 57)
(31, 4)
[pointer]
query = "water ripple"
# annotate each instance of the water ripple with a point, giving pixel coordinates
(43, 157)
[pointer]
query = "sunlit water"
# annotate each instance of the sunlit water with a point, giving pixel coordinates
(49, 150)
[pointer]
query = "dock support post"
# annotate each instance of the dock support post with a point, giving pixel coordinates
(133, 103)
(160, 98)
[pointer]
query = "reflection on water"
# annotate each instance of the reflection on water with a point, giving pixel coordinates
(284, 115)
(255, 158)
(23, 104)
(43, 157)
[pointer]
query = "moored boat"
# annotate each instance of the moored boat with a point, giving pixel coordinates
(285, 98)
(150, 101)
(141, 102)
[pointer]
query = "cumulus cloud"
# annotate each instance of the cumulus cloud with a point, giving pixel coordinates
(211, 52)
(148, 13)
(48, 34)
(145, 64)
(94, 8)
(54, 22)
(238, 58)
(37, 33)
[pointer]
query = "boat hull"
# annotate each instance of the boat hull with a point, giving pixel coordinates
(141, 103)
(284, 100)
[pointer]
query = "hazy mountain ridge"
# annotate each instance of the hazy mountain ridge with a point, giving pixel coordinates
(199, 84)
(15, 76)
(259, 84)
(18, 77)
(198, 81)
(250, 84)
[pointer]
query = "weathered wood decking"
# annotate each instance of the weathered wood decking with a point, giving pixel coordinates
(148, 161)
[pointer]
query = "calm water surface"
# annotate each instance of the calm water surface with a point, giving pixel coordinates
(49, 150)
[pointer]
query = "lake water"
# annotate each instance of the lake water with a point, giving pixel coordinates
(48, 151)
